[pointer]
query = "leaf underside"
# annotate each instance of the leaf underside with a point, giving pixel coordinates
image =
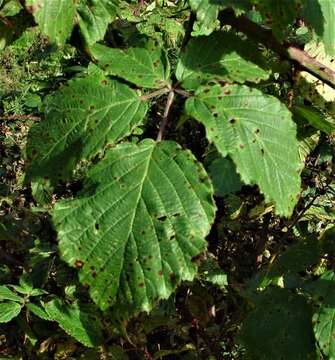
(257, 132)
(134, 235)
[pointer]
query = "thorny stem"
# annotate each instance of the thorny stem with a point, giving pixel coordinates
(266, 37)
(165, 119)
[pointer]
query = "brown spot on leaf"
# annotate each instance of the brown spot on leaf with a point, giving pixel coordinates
(78, 264)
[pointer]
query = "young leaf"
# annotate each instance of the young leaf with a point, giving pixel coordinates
(6, 294)
(257, 132)
(280, 327)
(94, 18)
(81, 119)
(77, 321)
(146, 67)
(221, 56)
(54, 17)
(134, 236)
(8, 311)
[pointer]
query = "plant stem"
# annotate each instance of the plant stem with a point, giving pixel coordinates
(289, 52)
(188, 31)
(158, 92)
(165, 119)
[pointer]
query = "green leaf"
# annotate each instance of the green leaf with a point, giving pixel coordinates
(278, 14)
(297, 258)
(221, 56)
(207, 10)
(6, 294)
(280, 327)
(324, 317)
(81, 119)
(314, 117)
(257, 132)
(143, 214)
(320, 14)
(226, 180)
(146, 67)
(77, 321)
(11, 8)
(54, 17)
(94, 18)
(38, 311)
(8, 311)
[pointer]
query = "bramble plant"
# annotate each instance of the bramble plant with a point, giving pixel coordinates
(174, 165)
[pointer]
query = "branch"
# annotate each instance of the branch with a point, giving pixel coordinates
(289, 52)
(165, 119)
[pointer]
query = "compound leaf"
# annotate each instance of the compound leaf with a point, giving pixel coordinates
(81, 119)
(94, 18)
(133, 237)
(9, 310)
(146, 67)
(54, 17)
(257, 132)
(77, 321)
(220, 56)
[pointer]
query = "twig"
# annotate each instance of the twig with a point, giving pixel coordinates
(266, 37)
(158, 92)
(20, 117)
(182, 92)
(165, 119)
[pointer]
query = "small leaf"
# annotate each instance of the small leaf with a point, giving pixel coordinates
(279, 328)
(315, 118)
(94, 18)
(257, 132)
(221, 56)
(81, 119)
(133, 238)
(11, 8)
(6, 294)
(38, 311)
(54, 17)
(8, 311)
(76, 321)
(147, 67)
